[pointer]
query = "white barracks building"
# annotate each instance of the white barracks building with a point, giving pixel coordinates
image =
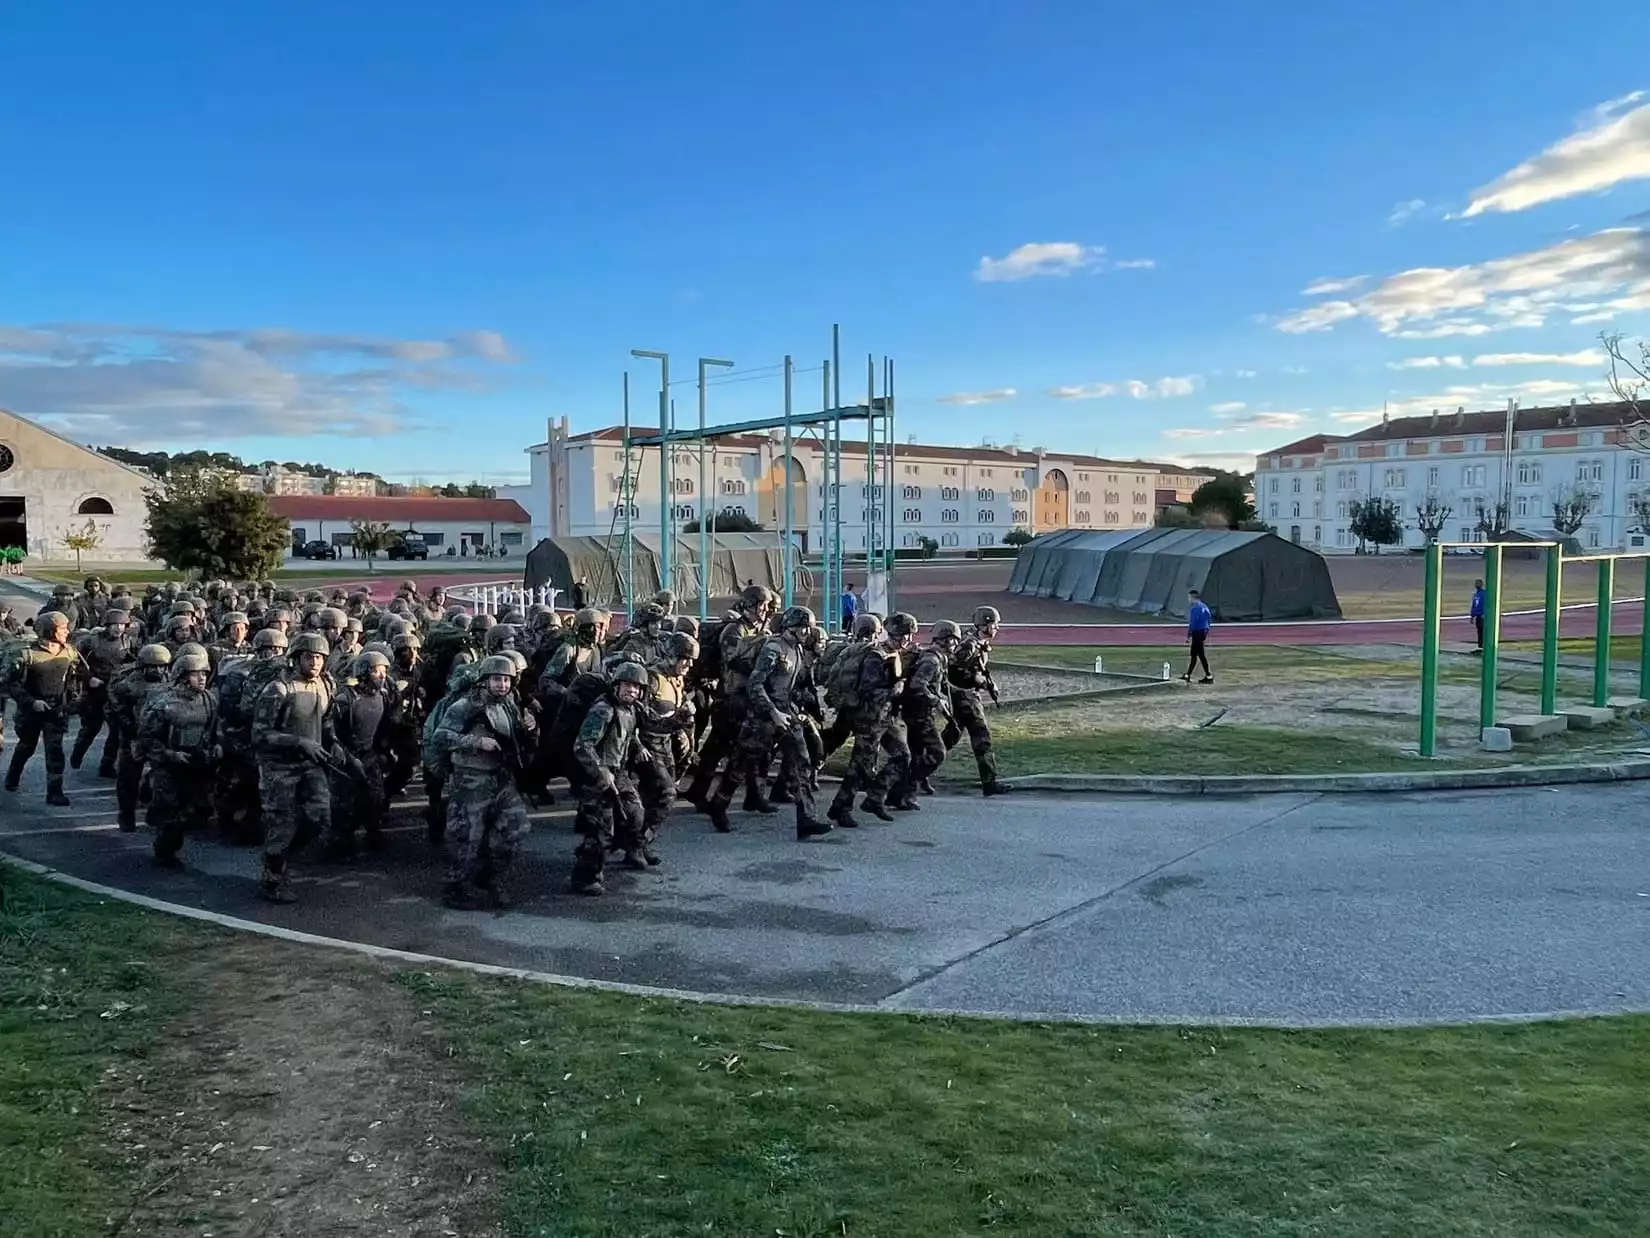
(1305, 489)
(962, 497)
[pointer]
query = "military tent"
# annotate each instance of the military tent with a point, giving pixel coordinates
(734, 559)
(1242, 576)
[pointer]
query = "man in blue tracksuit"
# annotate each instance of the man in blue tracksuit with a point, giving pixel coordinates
(850, 607)
(1198, 621)
(1477, 611)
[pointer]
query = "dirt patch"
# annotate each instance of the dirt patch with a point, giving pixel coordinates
(308, 1096)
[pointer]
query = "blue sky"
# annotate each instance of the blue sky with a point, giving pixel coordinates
(394, 237)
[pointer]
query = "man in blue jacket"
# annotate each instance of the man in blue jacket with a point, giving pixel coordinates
(1477, 612)
(1198, 621)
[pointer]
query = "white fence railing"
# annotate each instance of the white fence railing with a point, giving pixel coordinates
(494, 598)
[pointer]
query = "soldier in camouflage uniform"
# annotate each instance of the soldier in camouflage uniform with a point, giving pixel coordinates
(578, 654)
(105, 654)
(411, 708)
(665, 719)
(641, 639)
(364, 715)
(610, 809)
(45, 684)
(341, 661)
(482, 736)
(771, 718)
(867, 629)
(924, 703)
(970, 675)
(128, 697)
(293, 738)
(868, 705)
(741, 631)
(239, 682)
(175, 736)
(232, 640)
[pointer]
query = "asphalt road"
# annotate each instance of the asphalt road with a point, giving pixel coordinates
(1289, 909)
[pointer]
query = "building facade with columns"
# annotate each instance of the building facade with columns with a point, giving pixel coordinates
(963, 498)
(1463, 460)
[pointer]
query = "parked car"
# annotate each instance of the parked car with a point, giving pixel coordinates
(409, 546)
(317, 550)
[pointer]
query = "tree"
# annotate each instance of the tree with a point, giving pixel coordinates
(1494, 521)
(200, 523)
(372, 538)
(726, 522)
(1431, 515)
(88, 537)
(1629, 377)
(1223, 496)
(1017, 537)
(1571, 507)
(1377, 521)
(1640, 504)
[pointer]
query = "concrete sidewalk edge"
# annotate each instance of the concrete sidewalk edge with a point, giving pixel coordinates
(1263, 784)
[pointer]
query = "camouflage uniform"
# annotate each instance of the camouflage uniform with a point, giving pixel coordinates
(128, 697)
(610, 809)
(925, 699)
(874, 730)
(50, 675)
(665, 719)
(236, 792)
(969, 673)
(486, 815)
(411, 709)
(105, 656)
(727, 712)
(364, 715)
(175, 737)
(292, 735)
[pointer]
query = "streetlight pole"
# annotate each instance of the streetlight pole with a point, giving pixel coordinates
(663, 358)
(705, 497)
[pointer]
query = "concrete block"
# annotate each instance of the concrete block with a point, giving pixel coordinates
(1586, 717)
(1627, 706)
(1496, 739)
(1527, 728)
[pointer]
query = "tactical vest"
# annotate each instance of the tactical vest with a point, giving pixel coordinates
(366, 713)
(189, 718)
(304, 708)
(46, 675)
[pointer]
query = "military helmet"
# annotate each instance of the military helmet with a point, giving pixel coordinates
(233, 617)
(93, 582)
(49, 620)
(369, 658)
(497, 664)
(516, 656)
(589, 617)
(353, 624)
(460, 619)
(440, 591)
(796, 617)
(483, 623)
(310, 642)
(986, 614)
(687, 625)
(680, 645)
(316, 596)
(278, 614)
(270, 638)
(183, 606)
(359, 595)
(337, 595)
(513, 617)
(395, 627)
(332, 617)
(537, 610)
(498, 636)
(375, 646)
(752, 596)
(630, 672)
(408, 586)
(185, 663)
(189, 647)
(867, 627)
(945, 629)
(901, 624)
(406, 640)
(63, 591)
(154, 655)
(649, 612)
(121, 602)
(549, 621)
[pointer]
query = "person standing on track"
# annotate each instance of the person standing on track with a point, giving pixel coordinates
(1477, 613)
(1199, 620)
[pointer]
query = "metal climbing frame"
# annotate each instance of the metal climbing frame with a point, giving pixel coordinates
(1494, 553)
(824, 427)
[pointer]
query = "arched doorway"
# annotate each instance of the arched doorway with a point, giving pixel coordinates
(1053, 502)
(770, 499)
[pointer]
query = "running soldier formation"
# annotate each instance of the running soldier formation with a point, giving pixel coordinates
(287, 720)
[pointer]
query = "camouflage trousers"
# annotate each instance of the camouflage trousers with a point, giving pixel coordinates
(727, 718)
(32, 729)
(875, 734)
(609, 817)
(93, 715)
(180, 802)
(927, 746)
(656, 780)
(296, 803)
(128, 786)
(968, 717)
(486, 822)
(236, 795)
(360, 803)
(759, 738)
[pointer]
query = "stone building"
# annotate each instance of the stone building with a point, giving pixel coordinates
(51, 487)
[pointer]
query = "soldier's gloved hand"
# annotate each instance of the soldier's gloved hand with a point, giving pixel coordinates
(486, 744)
(312, 750)
(41, 707)
(528, 722)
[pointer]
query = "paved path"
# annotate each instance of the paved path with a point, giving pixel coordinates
(1294, 909)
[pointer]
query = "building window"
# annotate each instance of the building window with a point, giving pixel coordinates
(1592, 539)
(983, 539)
(985, 472)
(913, 515)
(1472, 475)
(1466, 533)
(911, 492)
(985, 494)
(948, 515)
(1317, 534)
(1273, 486)
(1082, 496)
(1529, 473)
(509, 539)
(1395, 479)
(95, 507)
(1521, 505)
(1021, 516)
(1081, 518)
(1340, 537)
(1111, 518)
(1432, 478)
(1296, 509)
(1295, 483)
(435, 539)
(1317, 484)
(987, 516)
(1635, 466)
(1272, 510)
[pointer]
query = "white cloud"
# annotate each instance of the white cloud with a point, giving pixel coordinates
(1246, 373)
(145, 384)
(1229, 408)
(1185, 385)
(1135, 264)
(1084, 391)
(1587, 356)
(1328, 287)
(1136, 388)
(1403, 212)
(1580, 274)
(1473, 397)
(1039, 258)
(1427, 363)
(1269, 421)
(1191, 432)
(994, 396)
(1612, 149)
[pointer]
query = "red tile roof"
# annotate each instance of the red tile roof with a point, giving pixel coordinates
(399, 512)
(1453, 425)
(1304, 447)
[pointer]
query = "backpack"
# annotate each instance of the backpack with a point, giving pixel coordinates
(745, 652)
(708, 667)
(436, 758)
(439, 651)
(582, 693)
(841, 678)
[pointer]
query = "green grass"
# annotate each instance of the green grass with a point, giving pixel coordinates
(393, 572)
(1294, 663)
(640, 1118)
(1623, 649)
(83, 988)
(1217, 750)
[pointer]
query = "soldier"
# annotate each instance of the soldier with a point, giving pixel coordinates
(341, 661)
(665, 720)
(175, 736)
(231, 642)
(737, 639)
(331, 623)
(925, 698)
(867, 629)
(46, 683)
(863, 683)
(435, 605)
(411, 708)
(482, 737)
(364, 716)
(610, 810)
(240, 682)
(293, 739)
(770, 718)
(128, 697)
(641, 638)
(104, 653)
(579, 654)
(92, 602)
(63, 603)
(970, 674)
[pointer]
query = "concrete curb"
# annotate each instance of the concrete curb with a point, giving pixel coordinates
(1511, 776)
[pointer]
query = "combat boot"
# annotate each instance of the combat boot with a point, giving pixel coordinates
(843, 815)
(877, 809)
(500, 897)
(651, 856)
(54, 793)
(633, 860)
(591, 886)
(458, 896)
(718, 814)
(926, 787)
(756, 802)
(996, 788)
(905, 804)
(809, 827)
(273, 886)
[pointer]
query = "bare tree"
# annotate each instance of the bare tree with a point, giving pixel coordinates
(1571, 507)
(1629, 378)
(1639, 505)
(1431, 515)
(1494, 521)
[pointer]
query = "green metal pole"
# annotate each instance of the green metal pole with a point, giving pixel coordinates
(1601, 645)
(1644, 638)
(1431, 621)
(1492, 635)
(1549, 629)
